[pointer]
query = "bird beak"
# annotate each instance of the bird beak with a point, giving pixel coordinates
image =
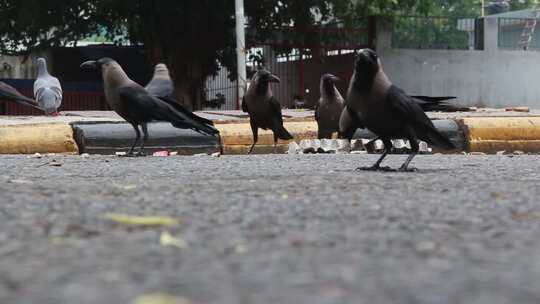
(89, 65)
(274, 78)
(336, 79)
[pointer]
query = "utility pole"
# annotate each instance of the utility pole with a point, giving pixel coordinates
(483, 8)
(241, 49)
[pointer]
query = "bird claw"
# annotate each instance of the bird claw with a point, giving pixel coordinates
(129, 154)
(140, 154)
(376, 168)
(407, 169)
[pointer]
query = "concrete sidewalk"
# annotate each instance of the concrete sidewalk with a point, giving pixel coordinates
(104, 132)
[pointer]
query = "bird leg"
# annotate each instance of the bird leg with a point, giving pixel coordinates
(415, 148)
(377, 165)
(275, 143)
(144, 128)
(138, 136)
(255, 132)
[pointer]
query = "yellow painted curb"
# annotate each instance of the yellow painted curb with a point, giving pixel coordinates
(37, 138)
(493, 134)
(494, 146)
(240, 133)
(259, 149)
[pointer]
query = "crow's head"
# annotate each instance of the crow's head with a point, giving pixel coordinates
(367, 62)
(328, 82)
(329, 79)
(266, 76)
(366, 68)
(98, 64)
(262, 80)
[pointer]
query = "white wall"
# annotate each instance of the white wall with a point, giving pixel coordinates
(491, 77)
(15, 67)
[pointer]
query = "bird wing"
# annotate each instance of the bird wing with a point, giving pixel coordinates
(143, 105)
(180, 108)
(139, 102)
(50, 83)
(277, 119)
(316, 110)
(275, 108)
(244, 105)
(57, 87)
(404, 107)
(349, 121)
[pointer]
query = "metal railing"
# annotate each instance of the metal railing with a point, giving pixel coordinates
(510, 31)
(454, 33)
(298, 59)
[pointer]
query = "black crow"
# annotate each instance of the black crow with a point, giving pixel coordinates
(386, 110)
(263, 108)
(329, 107)
(138, 107)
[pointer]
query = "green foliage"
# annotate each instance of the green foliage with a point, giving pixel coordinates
(194, 37)
(522, 4)
(432, 33)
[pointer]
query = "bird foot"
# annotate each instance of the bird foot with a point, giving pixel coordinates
(376, 168)
(140, 154)
(408, 169)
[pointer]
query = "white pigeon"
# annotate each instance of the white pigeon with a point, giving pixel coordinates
(161, 84)
(47, 89)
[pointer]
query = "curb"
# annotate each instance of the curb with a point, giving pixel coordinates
(237, 138)
(494, 134)
(473, 134)
(109, 138)
(37, 138)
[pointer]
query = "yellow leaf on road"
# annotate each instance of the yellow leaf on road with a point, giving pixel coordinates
(166, 239)
(142, 220)
(160, 298)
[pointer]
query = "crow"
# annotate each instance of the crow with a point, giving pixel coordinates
(9, 93)
(161, 84)
(329, 107)
(386, 110)
(138, 107)
(47, 89)
(349, 121)
(263, 108)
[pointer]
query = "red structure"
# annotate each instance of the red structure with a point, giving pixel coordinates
(78, 96)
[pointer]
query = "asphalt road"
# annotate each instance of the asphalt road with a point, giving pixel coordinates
(271, 229)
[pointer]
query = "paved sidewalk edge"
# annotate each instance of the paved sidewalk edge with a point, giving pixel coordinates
(37, 138)
(473, 134)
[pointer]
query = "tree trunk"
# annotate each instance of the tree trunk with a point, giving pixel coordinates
(190, 45)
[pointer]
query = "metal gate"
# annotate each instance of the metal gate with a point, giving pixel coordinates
(298, 65)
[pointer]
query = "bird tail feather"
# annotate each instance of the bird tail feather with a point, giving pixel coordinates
(437, 139)
(190, 120)
(439, 104)
(20, 99)
(282, 133)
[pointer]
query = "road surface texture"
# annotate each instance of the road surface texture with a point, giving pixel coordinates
(271, 229)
